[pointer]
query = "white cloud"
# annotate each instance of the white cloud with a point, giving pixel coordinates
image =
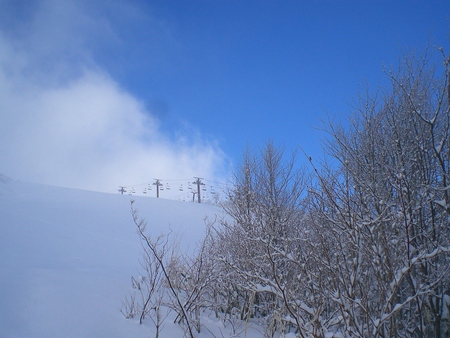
(64, 121)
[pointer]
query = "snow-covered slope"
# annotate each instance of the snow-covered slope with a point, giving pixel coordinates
(67, 257)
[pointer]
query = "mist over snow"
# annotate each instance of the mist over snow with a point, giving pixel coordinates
(64, 120)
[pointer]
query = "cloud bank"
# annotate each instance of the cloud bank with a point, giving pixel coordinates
(65, 121)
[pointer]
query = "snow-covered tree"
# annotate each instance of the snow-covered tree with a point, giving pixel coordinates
(383, 214)
(264, 249)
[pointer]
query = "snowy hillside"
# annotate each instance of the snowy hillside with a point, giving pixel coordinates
(67, 257)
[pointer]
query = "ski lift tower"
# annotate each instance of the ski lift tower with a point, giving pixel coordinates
(199, 183)
(158, 184)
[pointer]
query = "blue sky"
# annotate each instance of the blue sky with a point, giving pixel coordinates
(98, 94)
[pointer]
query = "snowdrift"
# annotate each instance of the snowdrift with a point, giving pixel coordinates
(67, 257)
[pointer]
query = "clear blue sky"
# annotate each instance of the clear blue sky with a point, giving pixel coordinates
(246, 71)
(212, 77)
